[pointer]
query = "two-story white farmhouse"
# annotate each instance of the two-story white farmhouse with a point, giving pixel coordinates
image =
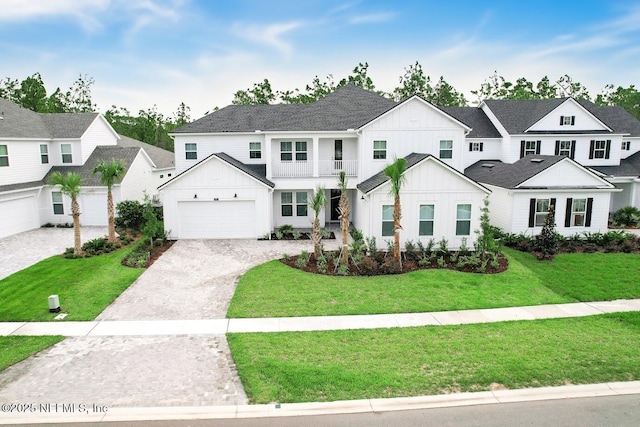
(34, 145)
(247, 169)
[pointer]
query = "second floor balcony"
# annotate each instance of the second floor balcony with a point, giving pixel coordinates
(307, 169)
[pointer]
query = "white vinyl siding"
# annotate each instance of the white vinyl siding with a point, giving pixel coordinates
(4, 155)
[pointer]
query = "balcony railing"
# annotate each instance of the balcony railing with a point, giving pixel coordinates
(299, 169)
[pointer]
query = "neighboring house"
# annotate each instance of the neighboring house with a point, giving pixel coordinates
(34, 145)
(246, 169)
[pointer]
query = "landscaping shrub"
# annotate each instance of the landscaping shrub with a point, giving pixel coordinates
(547, 241)
(626, 216)
(130, 215)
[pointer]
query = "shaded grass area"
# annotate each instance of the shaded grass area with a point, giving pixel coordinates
(85, 287)
(14, 348)
(275, 290)
(382, 363)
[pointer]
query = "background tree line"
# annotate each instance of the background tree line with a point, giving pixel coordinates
(153, 127)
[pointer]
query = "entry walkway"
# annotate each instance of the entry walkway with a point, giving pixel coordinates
(101, 328)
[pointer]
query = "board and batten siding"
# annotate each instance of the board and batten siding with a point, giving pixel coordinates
(491, 149)
(215, 179)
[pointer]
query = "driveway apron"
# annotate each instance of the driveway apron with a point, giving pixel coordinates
(194, 279)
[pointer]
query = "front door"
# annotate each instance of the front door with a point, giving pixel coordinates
(335, 202)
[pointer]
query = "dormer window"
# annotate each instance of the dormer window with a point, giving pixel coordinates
(567, 120)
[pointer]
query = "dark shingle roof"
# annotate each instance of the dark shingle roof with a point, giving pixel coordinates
(161, 157)
(617, 118)
(507, 175)
(21, 186)
(100, 153)
(380, 178)
(68, 125)
(517, 115)
(349, 107)
(628, 167)
(476, 119)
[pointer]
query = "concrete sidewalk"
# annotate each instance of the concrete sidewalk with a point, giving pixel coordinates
(101, 328)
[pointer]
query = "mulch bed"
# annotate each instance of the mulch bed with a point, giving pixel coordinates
(157, 251)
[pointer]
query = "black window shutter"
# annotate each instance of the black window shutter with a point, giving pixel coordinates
(471, 146)
(607, 149)
(538, 144)
(573, 149)
(481, 146)
(553, 203)
(587, 220)
(561, 120)
(567, 214)
(573, 120)
(521, 149)
(532, 212)
(628, 145)
(591, 147)
(557, 147)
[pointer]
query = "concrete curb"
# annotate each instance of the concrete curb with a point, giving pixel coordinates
(319, 408)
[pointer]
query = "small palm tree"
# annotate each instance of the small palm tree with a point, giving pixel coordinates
(110, 172)
(70, 185)
(395, 172)
(317, 203)
(344, 210)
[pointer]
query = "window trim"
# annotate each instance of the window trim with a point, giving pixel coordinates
(524, 151)
(284, 151)
(284, 204)
(565, 122)
(255, 153)
(606, 150)
(44, 156)
(191, 151)
(571, 150)
(63, 154)
(383, 221)
(460, 221)
(448, 149)
(426, 221)
(380, 153)
(569, 218)
(476, 146)
(302, 205)
(55, 203)
(301, 153)
(533, 210)
(4, 158)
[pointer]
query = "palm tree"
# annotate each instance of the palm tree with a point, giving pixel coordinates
(109, 173)
(395, 172)
(70, 185)
(344, 210)
(317, 203)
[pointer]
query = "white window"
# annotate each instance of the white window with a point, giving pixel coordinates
(446, 149)
(58, 207)
(286, 151)
(542, 210)
(387, 220)
(286, 203)
(463, 220)
(476, 146)
(301, 151)
(4, 155)
(67, 157)
(426, 220)
(530, 147)
(626, 145)
(301, 203)
(379, 149)
(44, 154)
(600, 149)
(578, 212)
(564, 148)
(191, 151)
(255, 150)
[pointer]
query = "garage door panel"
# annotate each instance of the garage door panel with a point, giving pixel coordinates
(217, 219)
(18, 215)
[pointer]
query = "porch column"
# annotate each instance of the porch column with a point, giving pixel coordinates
(267, 156)
(316, 154)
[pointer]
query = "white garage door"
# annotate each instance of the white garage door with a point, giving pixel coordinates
(18, 215)
(217, 219)
(93, 209)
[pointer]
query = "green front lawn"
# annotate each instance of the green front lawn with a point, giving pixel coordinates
(86, 286)
(14, 349)
(381, 363)
(275, 290)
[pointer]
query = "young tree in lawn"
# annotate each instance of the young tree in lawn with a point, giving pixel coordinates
(110, 172)
(395, 172)
(317, 203)
(70, 185)
(344, 210)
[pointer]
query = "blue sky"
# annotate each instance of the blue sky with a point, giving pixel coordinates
(163, 52)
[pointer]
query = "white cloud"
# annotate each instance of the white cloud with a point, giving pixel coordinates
(271, 35)
(83, 12)
(372, 18)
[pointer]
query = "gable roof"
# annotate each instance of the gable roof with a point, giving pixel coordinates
(68, 125)
(257, 172)
(617, 118)
(162, 158)
(518, 115)
(348, 107)
(126, 154)
(476, 119)
(412, 159)
(628, 167)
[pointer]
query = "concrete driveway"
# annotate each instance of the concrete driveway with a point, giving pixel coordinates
(194, 279)
(21, 250)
